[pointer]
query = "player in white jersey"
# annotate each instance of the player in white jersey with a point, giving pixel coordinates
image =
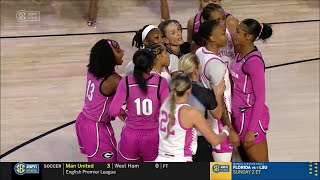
(215, 12)
(177, 123)
(213, 71)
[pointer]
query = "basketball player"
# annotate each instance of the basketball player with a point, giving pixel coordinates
(94, 131)
(215, 12)
(248, 98)
(148, 35)
(161, 61)
(213, 71)
(143, 93)
(204, 99)
(195, 21)
(177, 123)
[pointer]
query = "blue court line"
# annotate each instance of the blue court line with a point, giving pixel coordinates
(124, 32)
(72, 122)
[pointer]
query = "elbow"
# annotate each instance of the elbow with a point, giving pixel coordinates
(217, 113)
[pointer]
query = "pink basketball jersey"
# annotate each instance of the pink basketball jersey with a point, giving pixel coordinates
(143, 108)
(243, 90)
(96, 105)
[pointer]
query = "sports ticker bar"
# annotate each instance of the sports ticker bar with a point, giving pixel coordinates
(154, 171)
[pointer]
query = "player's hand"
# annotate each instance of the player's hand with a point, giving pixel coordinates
(122, 115)
(219, 89)
(248, 139)
(234, 138)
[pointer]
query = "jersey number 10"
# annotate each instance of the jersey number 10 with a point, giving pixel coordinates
(145, 106)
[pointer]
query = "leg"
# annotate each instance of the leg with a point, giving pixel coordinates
(93, 11)
(107, 145)
(128, 150)
(258, 152)
(149, 144)
(78, 127)
(243, 154)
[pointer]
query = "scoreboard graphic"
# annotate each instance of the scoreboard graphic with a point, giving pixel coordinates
(160, 171)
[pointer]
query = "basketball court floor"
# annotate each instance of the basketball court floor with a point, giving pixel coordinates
(43, 70)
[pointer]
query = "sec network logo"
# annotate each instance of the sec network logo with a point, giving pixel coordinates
(220, 168)
(22, 168)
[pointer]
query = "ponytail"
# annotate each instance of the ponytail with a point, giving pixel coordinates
(266, 31)
(200, 41)
(137, 38)
(260, 31)
(179, 84)
(173, 95)
(143, 62)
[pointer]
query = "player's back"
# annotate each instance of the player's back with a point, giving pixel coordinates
(182, 142)
(96, 104)
(143, 108)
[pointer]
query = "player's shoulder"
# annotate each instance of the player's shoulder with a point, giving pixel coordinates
(191, 20)
(190, 111)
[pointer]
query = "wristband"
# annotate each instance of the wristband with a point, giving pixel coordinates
(225, 131)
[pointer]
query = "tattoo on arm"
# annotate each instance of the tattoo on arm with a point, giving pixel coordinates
(225, 116)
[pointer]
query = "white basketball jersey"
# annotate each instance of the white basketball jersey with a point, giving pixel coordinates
(182, 142)
(164, 73)
(205, 56)
(228, 50)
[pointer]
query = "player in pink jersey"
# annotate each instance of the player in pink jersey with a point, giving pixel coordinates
(213, 71)
(215, 12)
(248, 96)
(143, 93)
(177, 123)
(94, 131)
(195, 21)
(146, 36)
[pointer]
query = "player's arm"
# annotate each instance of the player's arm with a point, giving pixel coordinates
(255, 68)
(201, 124)
(218, 97)
(164, 7)
(232, 24)
(190, 29)
(109, 86)
(217, 71)
(164, 89)
(118, 99)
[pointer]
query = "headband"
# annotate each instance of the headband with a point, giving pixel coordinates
(147, 30)
(261, 25)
